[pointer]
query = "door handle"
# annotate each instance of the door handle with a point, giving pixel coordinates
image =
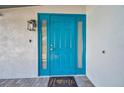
(51, 49)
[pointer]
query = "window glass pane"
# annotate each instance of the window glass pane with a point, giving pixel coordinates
(80, 42)
(44, 44)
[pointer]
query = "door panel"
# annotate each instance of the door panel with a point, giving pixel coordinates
(63, 47)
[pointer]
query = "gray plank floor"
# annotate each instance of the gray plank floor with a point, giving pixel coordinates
(82, 81)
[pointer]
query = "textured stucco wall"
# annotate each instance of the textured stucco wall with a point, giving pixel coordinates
(105, 31)
(18, 57)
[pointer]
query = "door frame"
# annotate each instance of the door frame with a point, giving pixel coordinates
(39, 34)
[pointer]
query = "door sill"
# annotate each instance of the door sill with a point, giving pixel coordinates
(62, 75)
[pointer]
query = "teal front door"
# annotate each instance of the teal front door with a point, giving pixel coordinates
(63, 47)
(61, 44)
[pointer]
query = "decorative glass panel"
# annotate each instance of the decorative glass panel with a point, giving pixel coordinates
(80, 42)
(44, 44)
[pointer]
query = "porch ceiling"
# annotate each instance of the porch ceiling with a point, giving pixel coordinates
(14, 6)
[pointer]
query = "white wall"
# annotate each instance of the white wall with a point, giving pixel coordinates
(105, 31)
(18, 57)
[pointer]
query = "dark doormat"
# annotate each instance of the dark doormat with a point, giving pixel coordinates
(62, 82)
